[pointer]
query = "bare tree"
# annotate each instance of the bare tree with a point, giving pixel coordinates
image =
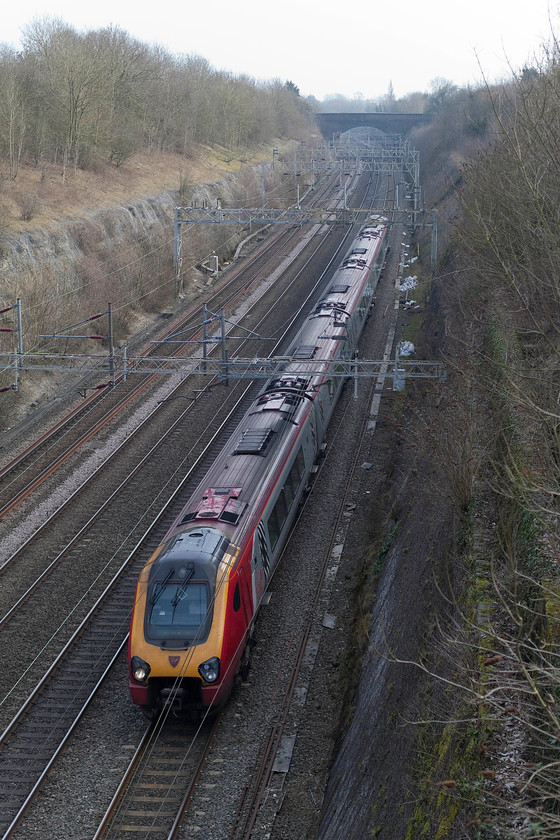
(13, 108)
(78, 73)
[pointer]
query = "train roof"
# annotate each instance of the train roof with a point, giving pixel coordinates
(269, 431)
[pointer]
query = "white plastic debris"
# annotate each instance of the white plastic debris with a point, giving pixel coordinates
(406, 348)
(409, 283)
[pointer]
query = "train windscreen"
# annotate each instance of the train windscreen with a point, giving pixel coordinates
(178, 611)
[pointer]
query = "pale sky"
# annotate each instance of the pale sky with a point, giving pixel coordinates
(324, 46)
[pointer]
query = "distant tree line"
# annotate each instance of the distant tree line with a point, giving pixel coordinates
(416, 102)
(88, 99)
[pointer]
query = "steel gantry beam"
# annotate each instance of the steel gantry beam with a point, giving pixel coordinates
(292, 216)
(234, 368)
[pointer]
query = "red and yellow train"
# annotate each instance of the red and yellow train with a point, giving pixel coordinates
(198, 597)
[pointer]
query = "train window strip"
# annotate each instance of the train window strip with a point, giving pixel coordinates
(284, 502)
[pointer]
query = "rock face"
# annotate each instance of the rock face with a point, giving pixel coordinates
(68, 240)
(69, 267)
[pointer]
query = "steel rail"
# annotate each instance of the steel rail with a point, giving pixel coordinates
(16, 722)
(123, 791)
(213, 299)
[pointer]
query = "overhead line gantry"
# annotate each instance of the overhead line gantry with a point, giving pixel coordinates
(390, 156)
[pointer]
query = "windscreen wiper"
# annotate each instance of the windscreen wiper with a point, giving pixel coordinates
(183, 588)
(159, 587)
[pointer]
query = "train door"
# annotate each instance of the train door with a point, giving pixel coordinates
(261, 562)
(315, 436)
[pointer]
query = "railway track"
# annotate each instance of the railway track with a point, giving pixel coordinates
(298, 658)
(159, 784)
(38, 461)
(66, 688)
(47, 717)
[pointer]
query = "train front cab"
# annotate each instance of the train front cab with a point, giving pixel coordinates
(176, 657)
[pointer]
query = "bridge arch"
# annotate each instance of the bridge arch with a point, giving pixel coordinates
(332, 123)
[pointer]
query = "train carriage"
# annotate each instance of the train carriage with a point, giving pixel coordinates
(198, 596)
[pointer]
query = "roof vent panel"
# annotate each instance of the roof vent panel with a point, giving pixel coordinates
(305, 351)
(254, 442)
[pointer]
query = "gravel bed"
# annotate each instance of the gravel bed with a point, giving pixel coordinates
(37, 635)
(105, 738)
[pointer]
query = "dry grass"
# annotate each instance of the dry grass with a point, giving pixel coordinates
(146, 281)
(88, 191)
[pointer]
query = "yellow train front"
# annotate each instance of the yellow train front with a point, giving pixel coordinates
(188, 629)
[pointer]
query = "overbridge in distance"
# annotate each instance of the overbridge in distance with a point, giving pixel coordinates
(389, 123)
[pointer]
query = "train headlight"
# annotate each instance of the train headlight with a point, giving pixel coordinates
(210, 670)
(140, 669)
